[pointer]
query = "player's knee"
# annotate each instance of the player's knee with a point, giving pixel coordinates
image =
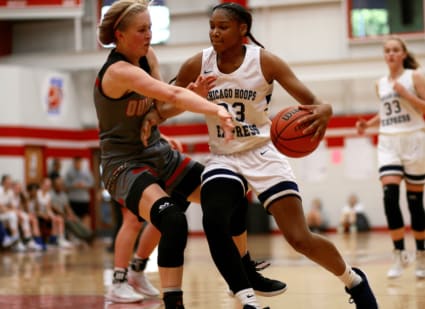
(300, 242)
(173, 241)
(392, 208)
(172, 224)
(416, 208)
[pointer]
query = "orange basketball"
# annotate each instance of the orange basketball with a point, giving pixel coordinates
(287, 134)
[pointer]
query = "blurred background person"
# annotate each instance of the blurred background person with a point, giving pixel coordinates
(79, 181)
(60, 205)
(316, 217)
(353, 216)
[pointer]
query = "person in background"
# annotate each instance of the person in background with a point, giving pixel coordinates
(47, 216)
(401, 149)
(317, 220)
(55, 169)
(79, 182)
(353, 216)
(8, 216)
(29, 226)
(5, 240)
(61, 206)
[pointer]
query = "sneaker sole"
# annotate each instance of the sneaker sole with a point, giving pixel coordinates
(271, 294)
(142, 291)
(122, 300)
(148, 295)
(265, 294)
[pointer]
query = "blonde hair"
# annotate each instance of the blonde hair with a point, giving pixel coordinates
(118, 17)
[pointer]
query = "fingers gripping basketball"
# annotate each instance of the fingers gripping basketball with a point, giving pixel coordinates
(287, 134)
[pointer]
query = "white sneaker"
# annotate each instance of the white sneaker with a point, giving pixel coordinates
(32, 245)
(19, 247)
(122, 292)
(401, 261)
(9, 241)
(63, 243)
(141, 283)
(420, 264)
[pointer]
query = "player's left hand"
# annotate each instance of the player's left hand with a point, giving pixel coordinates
(317, 120)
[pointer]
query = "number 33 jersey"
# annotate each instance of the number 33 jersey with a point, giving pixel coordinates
(397, 115)
(246, 95)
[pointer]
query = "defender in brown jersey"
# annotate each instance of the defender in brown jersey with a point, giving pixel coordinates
(136, 173)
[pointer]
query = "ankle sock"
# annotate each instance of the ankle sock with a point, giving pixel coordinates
(247, 297)
(350, 278)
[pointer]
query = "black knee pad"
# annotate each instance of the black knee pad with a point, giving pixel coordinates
(181, 201)
(417, 212)
(171, 222)
(392, 206)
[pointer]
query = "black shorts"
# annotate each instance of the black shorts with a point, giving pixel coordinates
(81, 209)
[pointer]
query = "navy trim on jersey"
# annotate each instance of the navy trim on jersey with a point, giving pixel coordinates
(224, 173)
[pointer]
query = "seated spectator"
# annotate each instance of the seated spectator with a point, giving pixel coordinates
(28, 224)
(353, 217)
(8, 216)
(79, 182)
(55, 169)
(61, 206)
(316, 217)
(47, 215)
(5, 240)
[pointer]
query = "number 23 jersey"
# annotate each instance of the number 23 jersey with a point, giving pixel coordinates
(246, 95)
(396, 114)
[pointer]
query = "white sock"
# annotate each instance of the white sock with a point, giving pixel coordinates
(350, 277)
(247, 297)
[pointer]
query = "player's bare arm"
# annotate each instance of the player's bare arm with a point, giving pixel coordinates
(275, 68)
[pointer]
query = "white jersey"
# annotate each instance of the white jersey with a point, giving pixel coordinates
(44, 199)
(6, 197)
(246, 95)
(397, 115)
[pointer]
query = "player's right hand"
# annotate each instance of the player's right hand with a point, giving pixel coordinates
(150, 120)
(361, 125)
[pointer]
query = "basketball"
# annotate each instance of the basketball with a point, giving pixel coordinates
(287, 134)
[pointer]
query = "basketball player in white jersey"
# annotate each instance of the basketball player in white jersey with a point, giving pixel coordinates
(244, 75)
(401, 149)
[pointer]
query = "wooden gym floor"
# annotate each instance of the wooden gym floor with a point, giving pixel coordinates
(78, 278)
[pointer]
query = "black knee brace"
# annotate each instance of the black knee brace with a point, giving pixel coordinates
(417, 212)
(392, 206)
(172, 224)
(221, 202)
(238, 222)
(220, 199)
